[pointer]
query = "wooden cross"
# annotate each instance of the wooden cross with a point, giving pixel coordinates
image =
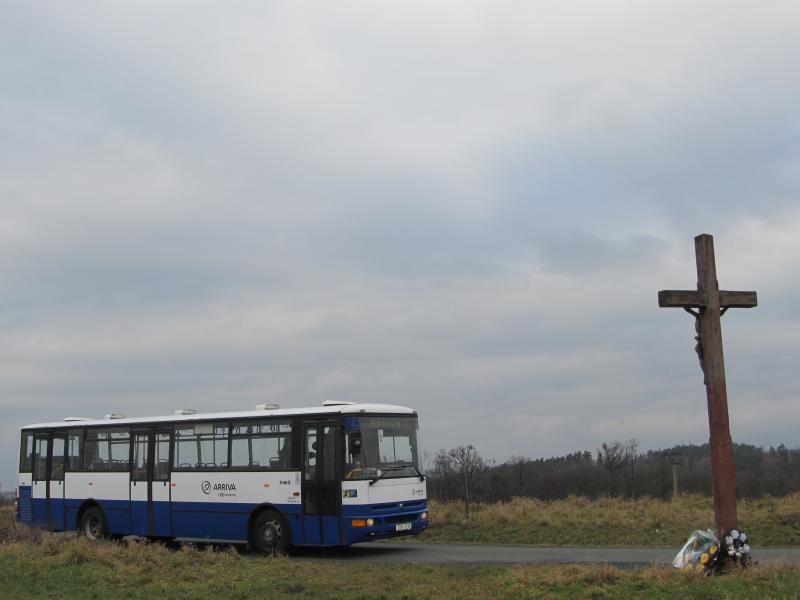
(708, 304)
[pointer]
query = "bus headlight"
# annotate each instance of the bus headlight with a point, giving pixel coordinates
(362, 522)
(424, 516)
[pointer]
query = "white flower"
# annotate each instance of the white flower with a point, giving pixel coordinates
(731, 551)
(729, 541)
(742, 537)
(738, 555)
(746, 549)
(735, 534)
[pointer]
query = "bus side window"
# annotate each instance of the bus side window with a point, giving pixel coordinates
(40, 458)
(91, 451)
(58, 458)
(74, 443)
(285, 453)
(310, 455)
(240, 452)
(120, 449)
(161, 459)
(267, 450)
(107, 450)
(262, 445)
(187, 445)
(213, 444)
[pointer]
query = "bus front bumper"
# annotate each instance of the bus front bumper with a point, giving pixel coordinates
(365, 528)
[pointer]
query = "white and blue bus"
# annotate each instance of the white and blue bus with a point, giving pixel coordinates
(334, 475)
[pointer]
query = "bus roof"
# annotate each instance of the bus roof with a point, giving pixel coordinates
(333, 409)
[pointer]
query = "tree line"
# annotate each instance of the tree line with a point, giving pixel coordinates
(615, 469)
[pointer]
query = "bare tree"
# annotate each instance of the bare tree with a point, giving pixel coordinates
(631, 453)
(443, 476)
(616, 455)
(611, 455)
(469, 465)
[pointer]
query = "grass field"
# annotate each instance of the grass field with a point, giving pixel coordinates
(37, 565)
(610, 521)
(64, 567)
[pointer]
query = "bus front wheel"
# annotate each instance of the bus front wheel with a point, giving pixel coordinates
(270, 535)
(93, 523)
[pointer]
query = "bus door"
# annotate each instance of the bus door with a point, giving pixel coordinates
(150, 483)
(321, 487)
(58, 463)
(48, 480)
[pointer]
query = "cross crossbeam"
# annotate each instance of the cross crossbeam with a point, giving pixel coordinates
(711, 303)
(695, 299)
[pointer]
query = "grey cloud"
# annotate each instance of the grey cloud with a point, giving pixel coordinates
(577, 251)
(467, 210)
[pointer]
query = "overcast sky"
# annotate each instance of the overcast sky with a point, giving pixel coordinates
(463, 207)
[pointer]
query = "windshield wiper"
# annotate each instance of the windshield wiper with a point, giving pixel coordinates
(421, 476)
(387, 470)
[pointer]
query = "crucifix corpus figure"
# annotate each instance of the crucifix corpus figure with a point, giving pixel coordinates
(707, 305)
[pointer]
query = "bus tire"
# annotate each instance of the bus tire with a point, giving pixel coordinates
(93, 523)
(269, 533)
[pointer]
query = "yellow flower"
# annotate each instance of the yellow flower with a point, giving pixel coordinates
(704, 558)
(699, 568)
(713, 550)
(688, 567)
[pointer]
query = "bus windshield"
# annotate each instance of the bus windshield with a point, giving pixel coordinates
(381, 446)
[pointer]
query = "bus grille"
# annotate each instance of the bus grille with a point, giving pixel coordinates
(396, 506)
(400, 519)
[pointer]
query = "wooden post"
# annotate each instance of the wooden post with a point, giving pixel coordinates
(674, 480)
(723, 474)
(712, 304)
(675, 459)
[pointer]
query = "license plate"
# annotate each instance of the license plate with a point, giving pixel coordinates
(402, 527)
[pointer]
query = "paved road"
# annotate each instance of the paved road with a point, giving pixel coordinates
(480, 554)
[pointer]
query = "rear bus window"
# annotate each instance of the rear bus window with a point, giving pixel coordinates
(26, 453)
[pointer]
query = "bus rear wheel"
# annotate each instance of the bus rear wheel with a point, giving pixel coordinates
(269, 534)
(93, 524)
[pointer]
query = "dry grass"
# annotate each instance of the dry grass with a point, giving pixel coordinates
(610, 521)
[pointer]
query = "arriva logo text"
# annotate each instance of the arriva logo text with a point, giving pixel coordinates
(221, 489)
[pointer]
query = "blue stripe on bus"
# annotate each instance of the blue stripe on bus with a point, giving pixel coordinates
(225, 521)
(202, 520)
(228, 521)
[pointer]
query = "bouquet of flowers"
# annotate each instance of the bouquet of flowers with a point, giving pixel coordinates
(735, 547)
(704, 553)
(699, 554)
